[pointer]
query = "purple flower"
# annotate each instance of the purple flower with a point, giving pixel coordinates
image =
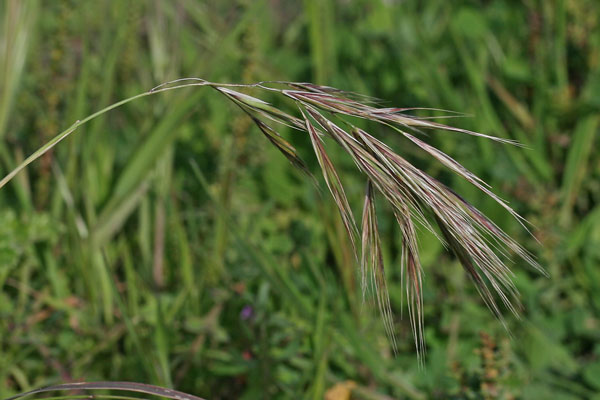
(246, 313)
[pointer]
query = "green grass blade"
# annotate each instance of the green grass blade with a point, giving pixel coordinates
(577, 163)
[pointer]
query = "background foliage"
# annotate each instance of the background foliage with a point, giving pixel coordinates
(167, 242)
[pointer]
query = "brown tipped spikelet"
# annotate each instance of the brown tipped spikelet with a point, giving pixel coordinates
(479, 244)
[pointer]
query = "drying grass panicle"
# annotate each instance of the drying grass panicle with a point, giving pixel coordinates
(414, 196)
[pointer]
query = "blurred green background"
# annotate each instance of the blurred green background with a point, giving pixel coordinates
(168, 242)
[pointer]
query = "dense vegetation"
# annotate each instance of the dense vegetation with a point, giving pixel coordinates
(168, 242)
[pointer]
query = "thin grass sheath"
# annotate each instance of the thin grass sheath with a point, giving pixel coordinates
(480, 245)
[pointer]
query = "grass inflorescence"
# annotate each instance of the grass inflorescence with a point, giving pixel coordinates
(416, 198)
